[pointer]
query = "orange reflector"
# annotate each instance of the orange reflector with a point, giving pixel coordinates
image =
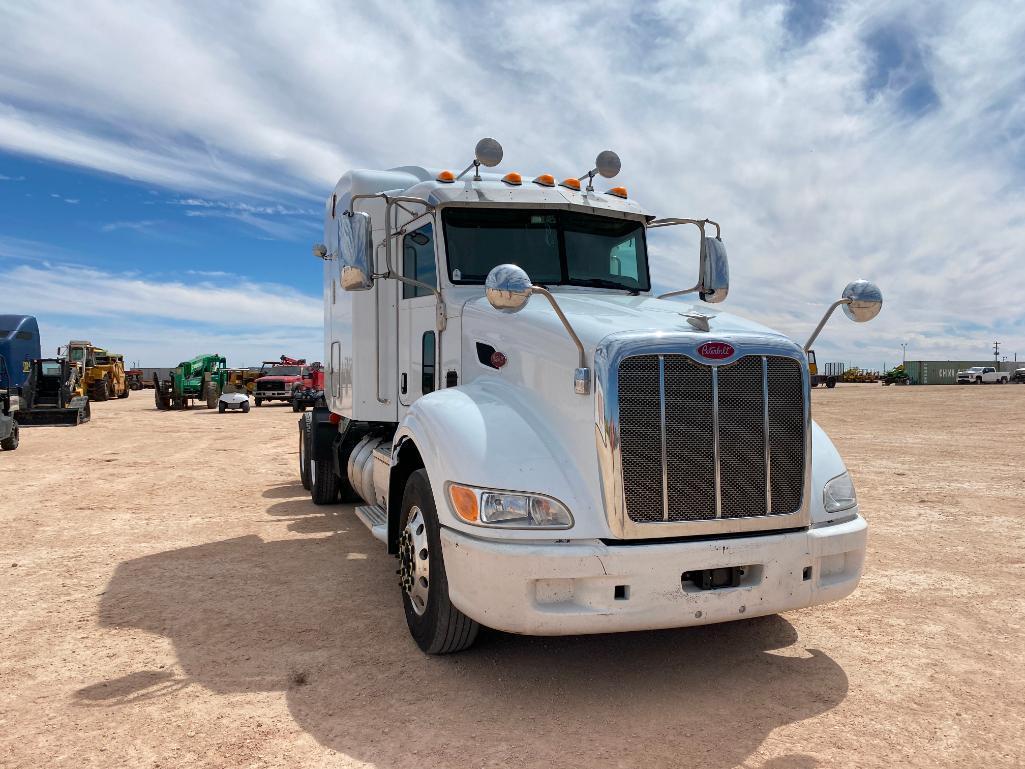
(512, 178)
(446, 176)
(573, 184)
(464, 501)
(545, 180)
(619, 192)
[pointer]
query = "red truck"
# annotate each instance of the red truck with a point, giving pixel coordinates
(280, 379)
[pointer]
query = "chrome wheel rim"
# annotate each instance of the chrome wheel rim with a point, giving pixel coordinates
(415, 561)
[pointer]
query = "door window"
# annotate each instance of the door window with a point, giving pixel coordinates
(418, 261)
(429, 356)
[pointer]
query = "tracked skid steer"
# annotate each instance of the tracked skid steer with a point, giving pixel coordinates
(48, 396)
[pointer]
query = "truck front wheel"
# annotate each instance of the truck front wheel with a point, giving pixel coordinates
(436, 625)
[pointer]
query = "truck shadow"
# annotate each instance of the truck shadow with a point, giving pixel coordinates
(320, 620)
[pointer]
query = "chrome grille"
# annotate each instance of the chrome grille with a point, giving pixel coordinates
(786, 430)
(640, 405)
(689, 441)
(699, 443)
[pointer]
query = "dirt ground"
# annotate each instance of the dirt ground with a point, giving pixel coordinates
(170, 597)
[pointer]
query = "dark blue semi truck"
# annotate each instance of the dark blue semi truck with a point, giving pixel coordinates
(19, 346)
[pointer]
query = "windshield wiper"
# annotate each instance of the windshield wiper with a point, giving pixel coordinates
(602, 283)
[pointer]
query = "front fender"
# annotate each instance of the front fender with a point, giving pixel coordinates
(487, 434)
(826, 465)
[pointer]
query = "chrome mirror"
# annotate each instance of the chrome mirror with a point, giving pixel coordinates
(355, 246)
(607, 164)
(488, 152)
(508, 288)
(866, 300)
(714, 271)
(861, 301)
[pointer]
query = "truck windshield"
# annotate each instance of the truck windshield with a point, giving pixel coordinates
(554, 247)
(281, 371)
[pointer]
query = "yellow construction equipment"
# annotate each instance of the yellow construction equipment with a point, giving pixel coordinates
(101, 372)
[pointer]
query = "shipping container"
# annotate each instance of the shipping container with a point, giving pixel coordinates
(936, 372)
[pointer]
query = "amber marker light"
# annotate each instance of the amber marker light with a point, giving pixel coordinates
(464, 501)
(619, 192)
(572, 184)
(446, 177)
(513, 178)
(545, 180)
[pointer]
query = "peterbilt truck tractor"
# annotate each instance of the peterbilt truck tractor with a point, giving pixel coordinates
(548, 447)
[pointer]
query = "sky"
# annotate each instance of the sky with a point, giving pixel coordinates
(163, 166)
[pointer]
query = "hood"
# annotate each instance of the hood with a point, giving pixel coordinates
(595, 316)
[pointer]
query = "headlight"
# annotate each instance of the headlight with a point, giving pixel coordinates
(509, 510)
(838, 494)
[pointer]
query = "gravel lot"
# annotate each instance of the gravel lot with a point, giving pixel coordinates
(170, 598)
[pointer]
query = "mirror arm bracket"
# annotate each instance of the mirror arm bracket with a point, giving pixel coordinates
(582, 375)
(681, 292)
(822, 323)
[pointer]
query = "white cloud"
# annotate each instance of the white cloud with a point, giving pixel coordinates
(799, 134)
(142, 225)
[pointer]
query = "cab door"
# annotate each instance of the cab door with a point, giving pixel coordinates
(419, 339)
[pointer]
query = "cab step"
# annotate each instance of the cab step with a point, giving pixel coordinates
(375, 519)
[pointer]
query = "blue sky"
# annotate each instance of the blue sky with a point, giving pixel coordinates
(163, 166)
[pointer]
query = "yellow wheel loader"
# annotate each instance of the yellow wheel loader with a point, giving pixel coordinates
(101, 373)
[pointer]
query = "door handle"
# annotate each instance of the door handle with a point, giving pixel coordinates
(403, 386)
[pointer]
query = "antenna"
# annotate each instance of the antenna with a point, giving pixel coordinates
(488, 152)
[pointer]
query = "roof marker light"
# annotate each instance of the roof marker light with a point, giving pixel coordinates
(545, 180)
(571, 183)
(619, 192)
(446, 177)
(513, 178)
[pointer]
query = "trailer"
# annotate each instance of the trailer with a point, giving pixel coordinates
(545, 445)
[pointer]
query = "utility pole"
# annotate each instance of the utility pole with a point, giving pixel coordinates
(904, 356)
(996, 355)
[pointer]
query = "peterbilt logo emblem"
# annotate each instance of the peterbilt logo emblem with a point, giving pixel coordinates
(716, 350)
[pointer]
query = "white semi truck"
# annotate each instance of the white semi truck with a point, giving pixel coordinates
(546, 446)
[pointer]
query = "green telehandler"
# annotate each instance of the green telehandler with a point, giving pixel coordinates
(201, 378)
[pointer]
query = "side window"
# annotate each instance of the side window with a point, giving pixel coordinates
(24, 335)
(418, 261)
(429, 357)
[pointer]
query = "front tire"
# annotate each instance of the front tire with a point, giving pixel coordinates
(259, 402)
(10, 443)
(245, 407)
(436, 625)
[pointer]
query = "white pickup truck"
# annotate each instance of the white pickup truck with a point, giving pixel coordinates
(982, 375)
